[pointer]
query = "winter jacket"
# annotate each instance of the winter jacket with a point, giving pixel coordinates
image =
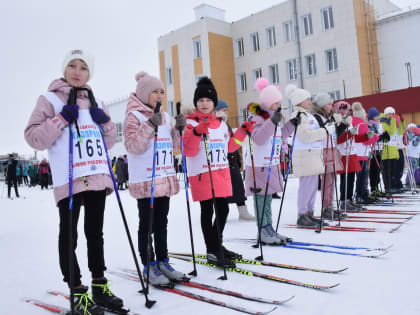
(263, 131)
(305, 134)
(200, 184)
(121, 171)
(365, 144)
(137, 136)
(45, 126)
(11, 165)
(389, 152)
(238, 192)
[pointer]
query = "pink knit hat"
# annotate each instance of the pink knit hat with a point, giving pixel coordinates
(341, 106)
(146, 84)
(269, 94)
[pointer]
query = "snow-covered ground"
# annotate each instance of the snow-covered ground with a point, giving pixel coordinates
(386, 285)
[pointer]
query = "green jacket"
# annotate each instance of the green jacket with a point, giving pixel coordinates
(390, 152)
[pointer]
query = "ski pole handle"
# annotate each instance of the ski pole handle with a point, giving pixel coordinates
(157, 108)
(178, 108)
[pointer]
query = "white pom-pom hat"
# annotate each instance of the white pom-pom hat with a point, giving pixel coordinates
(269, 94)
(389, 110)
(296, 95)
(82, 55)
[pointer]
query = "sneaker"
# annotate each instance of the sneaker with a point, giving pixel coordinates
(305, 221)
(215, 259)
(170, 272)
(283, 239)
(267, 237)
(83, 304)
(103, 296)
(359, 207)
(231, 255)
(156, 277)
(348, 206)
(318, 221)
(329, 213)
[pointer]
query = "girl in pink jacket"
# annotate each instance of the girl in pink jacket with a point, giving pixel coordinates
(139, 128)
(204, 123)
(69, 102)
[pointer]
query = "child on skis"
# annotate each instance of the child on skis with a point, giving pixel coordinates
(363, 150)
(375, 159)
(412, 141)
(139, 128)
(322, 110)
(238, 191)
(204, 127)
(308, 147)
(267, 118)
(68, 107)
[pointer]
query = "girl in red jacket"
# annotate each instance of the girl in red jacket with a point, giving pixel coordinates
(200, 124)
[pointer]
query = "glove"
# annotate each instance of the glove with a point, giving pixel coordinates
(276, 117)
(156, 119)
(248, 126)
(354, 130)
(202, 128)
(370, 134)
(347, 121)
(70, 113)
(337, 118)
(98, 115)
(284, 147)
(180, 122)
(330, 128)
(295, 121)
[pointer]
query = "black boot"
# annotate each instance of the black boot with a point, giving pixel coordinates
(231, 255)
(216, 259)
(83, 304)
(103, 296)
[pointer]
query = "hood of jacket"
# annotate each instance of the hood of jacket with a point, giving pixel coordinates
(134, 104)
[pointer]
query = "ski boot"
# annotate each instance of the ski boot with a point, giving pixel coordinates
(244, 215)
(266, 236)
(231, 255)
(103, 296)
(305, 221)
(170, 273)
(216, 259)
(83, 304)
(156, 277)
(282, 239)
(318, 221)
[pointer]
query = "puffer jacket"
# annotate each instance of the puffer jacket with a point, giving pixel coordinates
(45, 127)
(365, 145)
(263, 131)
(389, 152)
(300, 158)
(137, 136)
(200, 184)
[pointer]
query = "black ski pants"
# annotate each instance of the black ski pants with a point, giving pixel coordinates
(159, 228)
(390, 173)
(350, 186)
(94, 204)
(375, 171)
(44, 181)
(209, 227)
(12, 181)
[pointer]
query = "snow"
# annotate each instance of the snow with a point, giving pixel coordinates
(386, 285)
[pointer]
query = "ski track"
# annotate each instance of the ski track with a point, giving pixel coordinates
(386, 286)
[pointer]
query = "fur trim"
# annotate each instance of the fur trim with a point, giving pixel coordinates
(255, 108)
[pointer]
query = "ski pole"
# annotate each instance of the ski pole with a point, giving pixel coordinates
(71, 251)
(287, 176)
(348, 151)
(219, 235)
(184, 167)
(335, 181)
(323, 188)
(149, 303)
(266, 190)
(152, 191)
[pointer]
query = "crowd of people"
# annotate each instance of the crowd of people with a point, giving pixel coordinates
(336, 137)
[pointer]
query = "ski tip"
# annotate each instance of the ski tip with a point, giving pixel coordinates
(268, 312)
(284, 300)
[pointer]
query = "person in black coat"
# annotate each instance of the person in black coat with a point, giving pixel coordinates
(121, 172)
(11, 177)
(238, 191)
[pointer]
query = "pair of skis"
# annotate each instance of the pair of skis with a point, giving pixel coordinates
(131, 275)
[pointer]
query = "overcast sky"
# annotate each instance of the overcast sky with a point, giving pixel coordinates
(122, 35)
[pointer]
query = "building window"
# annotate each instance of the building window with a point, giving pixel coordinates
(255, 42)
(288, 31)
(273, 72)
(119, 132)
(291, 66)
(169, 79)
(197, 48)
(336, 95)
(307, 25)
(310, 65)
(171, 110)
(241, 82)
(256, 74)
(239, 47)
(327, 18)
(331, 60)
(243, 115)
(270, 35)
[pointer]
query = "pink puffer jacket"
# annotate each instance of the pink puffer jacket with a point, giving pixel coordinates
(136, 139)
(44, 127)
